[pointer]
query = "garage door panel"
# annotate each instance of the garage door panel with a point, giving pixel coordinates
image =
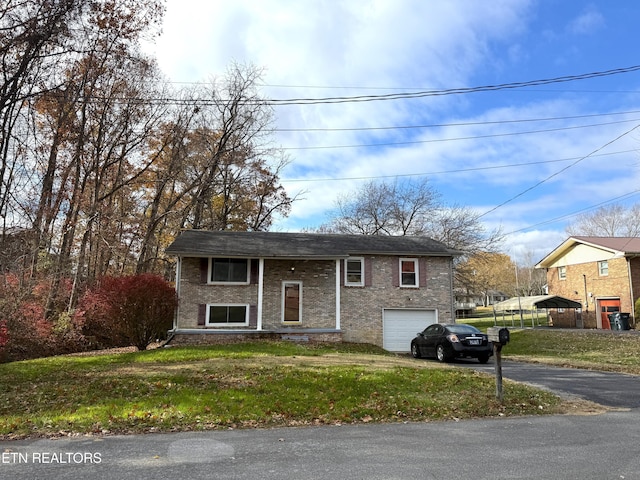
(400, 326)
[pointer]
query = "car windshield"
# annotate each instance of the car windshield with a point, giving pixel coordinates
(462, 329)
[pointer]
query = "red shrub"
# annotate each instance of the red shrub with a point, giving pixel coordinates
(133, 310)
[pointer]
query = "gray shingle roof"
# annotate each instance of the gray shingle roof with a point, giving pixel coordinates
(201, 243)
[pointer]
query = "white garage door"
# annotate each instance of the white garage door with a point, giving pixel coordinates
(399, 327)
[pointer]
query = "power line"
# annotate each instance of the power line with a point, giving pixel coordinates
(559, 171)
(445, 172)
(452, 91)
(577, 212)
(455, 139)
(455, 124)
(382, 97)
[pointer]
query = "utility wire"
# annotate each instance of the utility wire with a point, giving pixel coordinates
(446, 172)
(559, 171)
(455, 124)
(455, 139)
(452, 91)
(195, 102)
(577, 212)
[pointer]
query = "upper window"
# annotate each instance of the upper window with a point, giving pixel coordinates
(354, 272)
(562, 273)
(409, 272)
(603, 268)
(229, 270)
(219, 315)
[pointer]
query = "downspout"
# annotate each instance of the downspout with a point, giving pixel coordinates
(633, 305)
(338, 294)
(178, 275)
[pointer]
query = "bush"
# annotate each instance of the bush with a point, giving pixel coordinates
(24, 330)
(132, 310)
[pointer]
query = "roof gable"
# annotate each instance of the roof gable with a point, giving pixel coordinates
(201, 243)
(583, 249)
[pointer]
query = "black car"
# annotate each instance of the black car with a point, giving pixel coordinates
(446, 342)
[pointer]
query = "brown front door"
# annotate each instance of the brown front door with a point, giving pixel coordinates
(607, 307)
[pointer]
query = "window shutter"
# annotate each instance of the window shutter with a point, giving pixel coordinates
(343, 265)
(253, 316)
(202, 314)
(254, 271)
(422, 265)
(395, 272)
(204, 270)
(368, 272)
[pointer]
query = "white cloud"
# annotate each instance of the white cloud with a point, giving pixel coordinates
(317, 48)
(587, 22)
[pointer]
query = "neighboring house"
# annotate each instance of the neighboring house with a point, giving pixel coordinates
(16, 249)
(602, 273)
(302, 286)
(466, 303)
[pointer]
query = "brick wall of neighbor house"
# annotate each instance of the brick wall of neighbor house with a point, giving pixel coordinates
(194, 292)
(615, 284)
(361, 313)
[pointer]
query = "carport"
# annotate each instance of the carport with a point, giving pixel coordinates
(535, 303)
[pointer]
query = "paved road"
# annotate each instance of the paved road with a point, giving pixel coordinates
(610, 389)
(567, 447)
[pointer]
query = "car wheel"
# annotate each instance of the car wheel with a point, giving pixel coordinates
(415, 351)
(483, 358)
(441, 354)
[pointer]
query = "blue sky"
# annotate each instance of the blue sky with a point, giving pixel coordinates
(527, 158)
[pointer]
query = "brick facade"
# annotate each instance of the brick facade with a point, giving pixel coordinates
(361, 308)
(583, 283)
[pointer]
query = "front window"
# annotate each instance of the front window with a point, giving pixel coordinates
(603, 268)
(408, 272)
(354, 272)
(222, 315)
(229, 270)
(562, 273)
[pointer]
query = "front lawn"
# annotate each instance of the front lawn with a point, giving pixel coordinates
(591, 349)
(245, 386)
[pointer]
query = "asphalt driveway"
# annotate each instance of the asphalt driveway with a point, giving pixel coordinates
(616, 390)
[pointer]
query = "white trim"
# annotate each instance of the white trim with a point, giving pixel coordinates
(260, 292)
(346, 272)
(178, 274)
(291, 282)
(601, 271)
(337, 294)
(210, 272)
(416, 263)
(227, 324)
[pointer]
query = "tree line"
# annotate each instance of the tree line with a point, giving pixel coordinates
(102, 161)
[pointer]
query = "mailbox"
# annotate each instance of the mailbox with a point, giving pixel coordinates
(498, 335)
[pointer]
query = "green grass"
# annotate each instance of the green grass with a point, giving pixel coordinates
(591, 349)
(244, 386)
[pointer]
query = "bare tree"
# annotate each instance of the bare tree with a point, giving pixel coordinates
(405, 207)
(609, 221)
(401, 207)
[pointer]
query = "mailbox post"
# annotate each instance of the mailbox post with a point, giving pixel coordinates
(499, 337)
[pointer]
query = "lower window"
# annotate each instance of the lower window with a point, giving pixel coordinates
(228, 315)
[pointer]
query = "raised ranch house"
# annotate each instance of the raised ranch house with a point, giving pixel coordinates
(300, 286)
(601, 273)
